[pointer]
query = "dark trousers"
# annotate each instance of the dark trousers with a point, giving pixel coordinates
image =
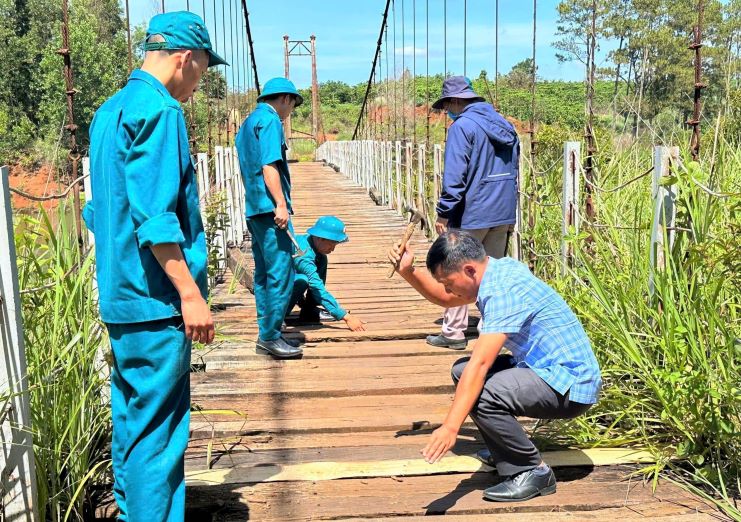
(508, 393)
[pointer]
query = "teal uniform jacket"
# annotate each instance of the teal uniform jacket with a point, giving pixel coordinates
(259, 142)
(144, 194)
(312, 267)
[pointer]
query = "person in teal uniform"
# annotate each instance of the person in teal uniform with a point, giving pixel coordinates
(261, 147)
(151, 264)
(309, 289)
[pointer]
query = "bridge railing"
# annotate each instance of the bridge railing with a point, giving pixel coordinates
(398, 175)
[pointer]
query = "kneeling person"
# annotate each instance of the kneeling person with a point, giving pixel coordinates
(551, 374)
(310, 278)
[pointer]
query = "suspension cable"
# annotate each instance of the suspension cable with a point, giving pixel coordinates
(373, 68)
(251, 44)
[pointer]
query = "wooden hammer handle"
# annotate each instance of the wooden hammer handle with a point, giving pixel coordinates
(404, 240)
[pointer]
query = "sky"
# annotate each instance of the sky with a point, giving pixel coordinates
(347, 30)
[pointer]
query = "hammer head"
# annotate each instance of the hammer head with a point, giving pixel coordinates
(416, 216)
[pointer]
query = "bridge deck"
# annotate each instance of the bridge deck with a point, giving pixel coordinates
(337, 434)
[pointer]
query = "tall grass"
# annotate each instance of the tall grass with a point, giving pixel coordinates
(671, 360)
(70, 412)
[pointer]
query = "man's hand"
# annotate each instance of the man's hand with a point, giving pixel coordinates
(441, 440)
(281, 216)
(354, 323)
(441, 225)
(403, 261)
(199, 325)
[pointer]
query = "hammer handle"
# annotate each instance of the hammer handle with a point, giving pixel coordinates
(404, 240)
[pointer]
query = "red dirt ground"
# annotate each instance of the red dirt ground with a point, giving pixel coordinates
(37, 182)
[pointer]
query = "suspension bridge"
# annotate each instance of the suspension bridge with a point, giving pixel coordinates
(337, 434)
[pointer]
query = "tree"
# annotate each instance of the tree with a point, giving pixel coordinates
(521, 74)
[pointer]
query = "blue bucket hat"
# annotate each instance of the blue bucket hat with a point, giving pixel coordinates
(181, 30)
(456, 87)
(329, 227)
(280, 85)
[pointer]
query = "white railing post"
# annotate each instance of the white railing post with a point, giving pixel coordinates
(422, 205)
(17, 464)
(397, 177)
(570, 202)
(664, 196)
(408, 159)
(220, 186)
(389, 177)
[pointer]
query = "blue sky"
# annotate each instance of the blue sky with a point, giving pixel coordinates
(346, 32)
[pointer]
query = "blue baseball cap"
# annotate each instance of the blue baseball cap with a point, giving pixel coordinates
(280, 85)
(456, 87)
(329, 227)
(181, 30)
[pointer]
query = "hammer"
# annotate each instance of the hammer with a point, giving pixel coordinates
(299, 252)
(416, 218)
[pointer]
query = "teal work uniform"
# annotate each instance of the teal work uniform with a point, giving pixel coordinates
(144, 194)
(259, 142)
(309, 282)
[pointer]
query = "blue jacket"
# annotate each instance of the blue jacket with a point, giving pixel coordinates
(313, 266)
(481, 166)
(144, 194)
(259, 142)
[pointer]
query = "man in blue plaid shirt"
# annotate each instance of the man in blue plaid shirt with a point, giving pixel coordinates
(551, 373)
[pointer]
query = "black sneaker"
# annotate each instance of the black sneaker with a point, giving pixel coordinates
(523, 486)
(440, 341)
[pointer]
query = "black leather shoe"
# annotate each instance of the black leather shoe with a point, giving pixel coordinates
(441, 341)
(292, 342)
(278, 349)
(523, 486)
(484, 456)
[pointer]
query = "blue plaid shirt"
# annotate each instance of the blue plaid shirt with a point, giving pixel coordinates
(542, 332)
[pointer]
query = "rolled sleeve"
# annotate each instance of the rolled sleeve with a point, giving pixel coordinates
(153, 174)
(504, 313)
(270, 138)
(457, 158)
(164, 228)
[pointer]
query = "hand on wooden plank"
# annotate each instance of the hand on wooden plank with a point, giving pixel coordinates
(402, 257)
(354, 323)
(441, 441)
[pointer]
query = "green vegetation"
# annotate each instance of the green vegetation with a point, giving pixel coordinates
(672, 360)
(65, 343)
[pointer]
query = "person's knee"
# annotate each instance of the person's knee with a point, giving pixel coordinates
(457, 370)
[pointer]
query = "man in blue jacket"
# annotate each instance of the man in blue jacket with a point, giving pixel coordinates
(151, 264)
(479, 192)
(309, 290)
(261, 146)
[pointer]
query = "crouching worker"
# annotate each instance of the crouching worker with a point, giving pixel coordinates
(551, 373)
(311, 274)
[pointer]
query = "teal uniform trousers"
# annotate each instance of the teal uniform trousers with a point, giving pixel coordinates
(150, 400)
(272, 252)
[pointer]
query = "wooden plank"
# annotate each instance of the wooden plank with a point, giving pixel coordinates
(17, 464)
(580, 490)
(316, 471)
(266, 414)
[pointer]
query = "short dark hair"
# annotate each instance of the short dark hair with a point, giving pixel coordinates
(452, 249)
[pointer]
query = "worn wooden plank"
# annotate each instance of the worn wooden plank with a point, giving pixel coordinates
(316, 471)
(580, 490)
